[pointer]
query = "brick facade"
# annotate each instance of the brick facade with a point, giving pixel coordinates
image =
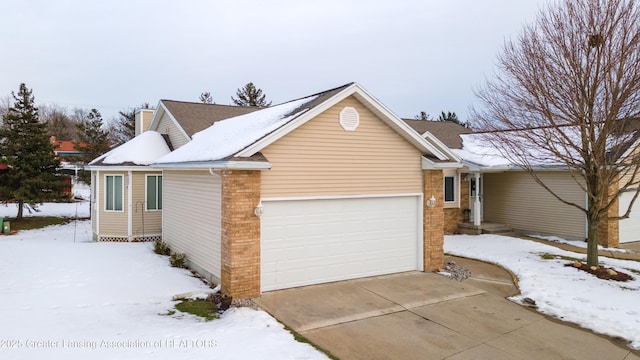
(609, 230)
(455, 216)
(240, 273)
(433, 224)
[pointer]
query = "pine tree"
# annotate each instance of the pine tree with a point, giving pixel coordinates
(250, 95)
(423, 116)
(94, 139)
(452, 117)
(32, 177)
(123, 128)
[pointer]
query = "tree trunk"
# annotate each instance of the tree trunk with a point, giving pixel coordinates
(20, 210)
(592, 243)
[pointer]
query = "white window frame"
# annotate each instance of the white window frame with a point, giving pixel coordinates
(114, 198)
(456, 190)
(146, 192)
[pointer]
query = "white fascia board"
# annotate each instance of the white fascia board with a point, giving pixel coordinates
(224, 165)
(385, 114)
(405, 130)
(160, 109)
(292, 125)
(173, 119)
(432, 165)
(118, 168)
(436, 142)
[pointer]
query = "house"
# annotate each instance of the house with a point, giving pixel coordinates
(126, 194)
(509, 195)
(328, 187)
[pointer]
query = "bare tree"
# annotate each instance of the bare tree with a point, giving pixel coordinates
(567, 93)
(206, 98)
(59, 122)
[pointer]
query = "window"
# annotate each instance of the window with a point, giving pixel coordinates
(154, 192)
(449, 189)
(113, 193)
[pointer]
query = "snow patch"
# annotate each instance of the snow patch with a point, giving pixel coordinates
(143, 149)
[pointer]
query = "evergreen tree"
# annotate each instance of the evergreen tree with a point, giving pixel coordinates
(453, 117)
(32, 177)
(250, 95)
(206, 98)
(123, 128)
(423, 116)
(94, 139)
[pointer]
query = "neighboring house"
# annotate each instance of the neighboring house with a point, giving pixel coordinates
(126, 194)
(509, 195)
(329, 187)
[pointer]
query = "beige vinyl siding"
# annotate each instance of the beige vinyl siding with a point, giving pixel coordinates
(192, 218)
(167, 126)
(113, 223)
(320, 158)
(515, 199)
(151, 224)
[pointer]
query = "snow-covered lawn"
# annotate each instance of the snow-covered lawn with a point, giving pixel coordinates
(606, 307)
(62, 298)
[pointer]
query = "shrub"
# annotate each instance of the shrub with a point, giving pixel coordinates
(178, 260)
(161, 248)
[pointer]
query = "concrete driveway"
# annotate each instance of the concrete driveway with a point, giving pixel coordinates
(419, 315)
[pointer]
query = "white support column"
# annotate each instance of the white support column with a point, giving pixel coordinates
(129, 206)
(476, 203)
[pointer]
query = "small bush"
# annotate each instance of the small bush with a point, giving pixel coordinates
(178, 260)
(161, 248)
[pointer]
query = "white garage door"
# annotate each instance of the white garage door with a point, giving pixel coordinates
(629, 228)
(316, 241)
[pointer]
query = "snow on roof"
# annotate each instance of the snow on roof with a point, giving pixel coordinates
(480, 152)
(143, 149)
(227, 137)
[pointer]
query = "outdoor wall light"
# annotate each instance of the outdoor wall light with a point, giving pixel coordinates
(259, 209)
(431, 202)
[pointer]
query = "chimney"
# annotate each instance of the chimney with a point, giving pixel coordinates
(143, 119)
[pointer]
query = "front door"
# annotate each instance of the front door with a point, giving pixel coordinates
(473, 190)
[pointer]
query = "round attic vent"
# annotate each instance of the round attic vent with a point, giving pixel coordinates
(349, 118)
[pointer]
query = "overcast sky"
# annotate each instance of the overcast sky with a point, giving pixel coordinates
(421, 55)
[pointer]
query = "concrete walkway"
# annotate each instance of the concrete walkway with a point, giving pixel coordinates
(419, 315)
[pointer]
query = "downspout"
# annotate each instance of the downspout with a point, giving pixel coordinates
(129, 206)
(476, 203)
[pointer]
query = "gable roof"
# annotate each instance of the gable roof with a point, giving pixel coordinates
(246, 135)
(143, 149)
(446, 131)
(192, 117)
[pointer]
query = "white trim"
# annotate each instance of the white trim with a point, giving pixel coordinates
(146, 192)
(420, 232)
(105, 193)
(156, 120)
(427, 164)
(337, 197)
(120, 168)
(222, 164)
(456, 190)
(129, 204)
(373, 104)
(97, 203)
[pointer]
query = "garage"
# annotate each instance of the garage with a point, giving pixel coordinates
(312, 241)
(629, 228)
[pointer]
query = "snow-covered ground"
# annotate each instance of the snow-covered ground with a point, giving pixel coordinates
(64, 297)
(606, 307)
(576, 243)
(73, 209)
